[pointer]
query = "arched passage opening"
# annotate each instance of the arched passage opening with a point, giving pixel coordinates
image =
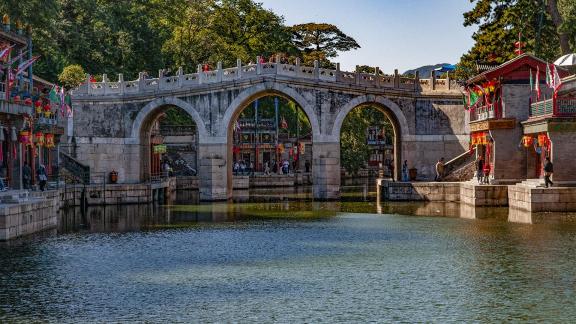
(168, 137)
(270, 141)
(367, 143)
(372, 115)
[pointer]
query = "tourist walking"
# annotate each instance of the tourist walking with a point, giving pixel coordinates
(405, 171)
(439, 169)
(266, 168)
(487, 170)
(236, 167)
(27, 175)
(285, 167)
(480, 169)
(42, 177)
(548, 171)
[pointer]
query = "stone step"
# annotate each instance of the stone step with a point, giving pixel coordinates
(14, 196)
(533, 183)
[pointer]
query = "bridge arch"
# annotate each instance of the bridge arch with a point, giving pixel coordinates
(391, 110)
(267, 89)
(153, 107)
(142, 130)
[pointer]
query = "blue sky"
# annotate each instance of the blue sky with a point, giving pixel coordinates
(400, 34)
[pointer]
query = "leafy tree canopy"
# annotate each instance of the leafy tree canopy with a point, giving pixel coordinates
(321, 41)
(501, 21)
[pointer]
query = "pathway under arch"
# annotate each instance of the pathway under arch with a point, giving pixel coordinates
(391, 111)
(247, 97)
(144, 121)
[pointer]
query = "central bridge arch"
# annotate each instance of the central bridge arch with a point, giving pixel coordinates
(391, 111)
(247, 97)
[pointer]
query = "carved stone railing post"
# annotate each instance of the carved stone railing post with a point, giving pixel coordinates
(200, 74)
(105, 83)
(219, 72)
(141, 81)
(238, 69)
(432, 80)
(88, 84)
(396, 79)
(416, 80)
(338, 74)
(160, 77)
(316, 69)
(298, 70)
(121, 84)
(357, 74)
(180, 76)
(448, 80)
(258, 65)
(377, 76)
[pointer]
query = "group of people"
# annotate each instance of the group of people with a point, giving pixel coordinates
(243, 168)
(482, 170)
(41, 176)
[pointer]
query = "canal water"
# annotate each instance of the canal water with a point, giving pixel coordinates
(288, 259)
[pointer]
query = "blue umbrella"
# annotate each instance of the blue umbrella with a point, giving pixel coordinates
(446, 68)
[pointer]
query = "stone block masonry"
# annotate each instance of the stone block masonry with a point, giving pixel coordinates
(113, 120)
(29, 217)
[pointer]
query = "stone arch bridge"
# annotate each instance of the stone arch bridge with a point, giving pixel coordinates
(112, 119)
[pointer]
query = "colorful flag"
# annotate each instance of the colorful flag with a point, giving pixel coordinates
(548, 76)
(14, 59)
(4, 53)
(557, 80)
(62, 99)
(54, 97)
(537, 85)
(531, 82)
(24, 65)
(68, 103)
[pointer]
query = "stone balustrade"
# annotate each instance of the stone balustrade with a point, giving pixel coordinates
(144, 84)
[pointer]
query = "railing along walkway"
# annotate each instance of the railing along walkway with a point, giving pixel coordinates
(144, 84)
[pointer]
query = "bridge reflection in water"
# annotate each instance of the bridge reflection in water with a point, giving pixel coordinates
(284, 204)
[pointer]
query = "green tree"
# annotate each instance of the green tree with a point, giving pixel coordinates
(210, 31)
(499, 24)
(72, 76)
(321, 42)
(354, 148)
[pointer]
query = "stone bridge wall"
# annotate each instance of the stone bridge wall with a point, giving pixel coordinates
(111, 117)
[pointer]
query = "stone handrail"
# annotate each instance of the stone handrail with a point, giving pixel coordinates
(144, 84)
(458, 161)
(79, 170)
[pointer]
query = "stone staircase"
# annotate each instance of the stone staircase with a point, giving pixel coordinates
(460, 168)
(72, 170)
(532, 183)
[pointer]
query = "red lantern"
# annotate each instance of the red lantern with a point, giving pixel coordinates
(49, 140)
(47, 107)
(16, 99)
(527, 141)
(28, 101)
(38, 103)
(24, 137)
(39, 137)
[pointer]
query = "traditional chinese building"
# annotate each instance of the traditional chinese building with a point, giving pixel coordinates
(550, 131)
(499, 101)
(381, 147)
(28, 114)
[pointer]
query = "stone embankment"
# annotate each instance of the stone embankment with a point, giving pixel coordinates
(526, 202)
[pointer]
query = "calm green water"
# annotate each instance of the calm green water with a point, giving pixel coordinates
(288, 261)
